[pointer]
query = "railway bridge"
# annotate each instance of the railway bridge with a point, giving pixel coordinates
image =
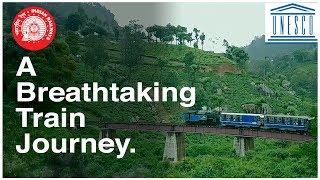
(175, 136)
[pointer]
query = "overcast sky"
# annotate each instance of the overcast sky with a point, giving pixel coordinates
(239, 23)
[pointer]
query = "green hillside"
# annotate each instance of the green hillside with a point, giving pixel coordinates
(207, 156)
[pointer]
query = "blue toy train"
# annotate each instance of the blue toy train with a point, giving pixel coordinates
(244, 120)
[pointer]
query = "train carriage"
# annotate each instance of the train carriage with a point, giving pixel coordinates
(240, 120)
(285, 122)
(245, 120)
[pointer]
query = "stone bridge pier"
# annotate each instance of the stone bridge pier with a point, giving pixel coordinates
(243, 145)
(174, 149)
(175, 146)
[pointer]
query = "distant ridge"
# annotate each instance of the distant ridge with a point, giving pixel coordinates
(258, 49)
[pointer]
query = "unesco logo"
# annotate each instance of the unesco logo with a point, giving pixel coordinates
(290, 23)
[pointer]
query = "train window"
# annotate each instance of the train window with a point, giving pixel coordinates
(271, 120)
(239, 118)
(287, 121)
(228, 117)
(302, 122)
(299, 122)
(259, 118)
(275, 120)
(295, 122)
(279, 120)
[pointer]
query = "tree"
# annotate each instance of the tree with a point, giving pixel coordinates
(261, 66)
(217, 101)
(202, 38)
(266, 65)
(181, 38)
(73, 40)
(225, 43)
(74, 21)
(159, 32)
(302, 55)
(170, 31)
(101, 30)
(83, 16)
(195, 45)
(189, 38)
(196, 34)
(181, 34)
(235, 53)
(92, 28)
(304, 79)
(95, 53)
(150, 30)
(167, 39)
(132, 45)
(134, 26)
(116, 33)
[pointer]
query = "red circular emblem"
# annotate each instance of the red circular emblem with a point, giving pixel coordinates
(33, 28)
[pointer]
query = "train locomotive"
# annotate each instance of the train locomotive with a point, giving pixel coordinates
(245, 120)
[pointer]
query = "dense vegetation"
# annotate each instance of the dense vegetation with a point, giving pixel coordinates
(87, 50)
(298, 69)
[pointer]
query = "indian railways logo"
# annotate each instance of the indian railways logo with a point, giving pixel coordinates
(290, 23)
(33, 28)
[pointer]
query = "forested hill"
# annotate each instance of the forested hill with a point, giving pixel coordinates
(85, 50)
(258, 49)
(63, 10)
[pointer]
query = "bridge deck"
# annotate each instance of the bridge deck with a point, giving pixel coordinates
(244, 132)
